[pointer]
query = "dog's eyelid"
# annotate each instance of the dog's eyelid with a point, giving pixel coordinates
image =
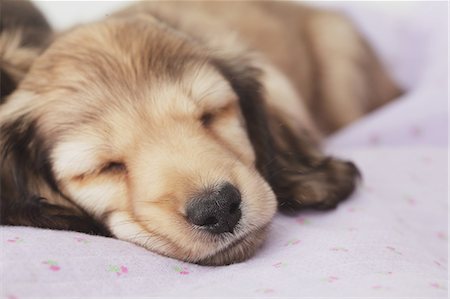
(207, 118)
(113, 167)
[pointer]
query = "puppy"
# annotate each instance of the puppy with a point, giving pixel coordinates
(182, 126)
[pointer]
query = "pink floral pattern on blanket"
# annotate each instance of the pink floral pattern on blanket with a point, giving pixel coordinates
(119, 270)
(52, 265)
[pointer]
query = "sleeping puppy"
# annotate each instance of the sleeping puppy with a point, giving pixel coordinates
(182, 126)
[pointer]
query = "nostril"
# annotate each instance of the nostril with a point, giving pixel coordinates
(210, 221)
(234, 208)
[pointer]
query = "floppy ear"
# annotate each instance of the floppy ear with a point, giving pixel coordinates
(244, 79)
(290, 160)
(304, 177)
(24, 34)
(29, 195)
(25, 177)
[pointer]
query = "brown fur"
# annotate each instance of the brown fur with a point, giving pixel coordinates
(24, 33)
(118, 124)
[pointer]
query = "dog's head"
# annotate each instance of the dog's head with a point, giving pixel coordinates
(148, 133)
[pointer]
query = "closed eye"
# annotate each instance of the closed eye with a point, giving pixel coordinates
(206, 119)
(114, 167)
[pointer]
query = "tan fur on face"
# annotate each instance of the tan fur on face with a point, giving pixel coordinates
(117, 107)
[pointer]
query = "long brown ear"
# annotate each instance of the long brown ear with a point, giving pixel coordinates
(29, 195)
(24, 34)
(305, 177)
(290, 160)
(244, 79)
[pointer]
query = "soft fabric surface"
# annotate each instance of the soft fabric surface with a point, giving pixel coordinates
(389, 240)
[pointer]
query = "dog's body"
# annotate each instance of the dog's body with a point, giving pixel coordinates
(138, 122)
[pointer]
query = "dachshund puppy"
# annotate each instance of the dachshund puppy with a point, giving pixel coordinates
(182, 126)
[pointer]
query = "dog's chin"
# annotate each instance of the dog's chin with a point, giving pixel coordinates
(231, 248)
(238, 250)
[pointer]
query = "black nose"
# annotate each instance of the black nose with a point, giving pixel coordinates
(217, 211)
